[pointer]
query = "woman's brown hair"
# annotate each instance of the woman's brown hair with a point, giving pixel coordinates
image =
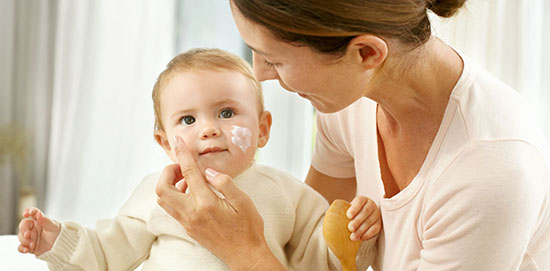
(328, 25)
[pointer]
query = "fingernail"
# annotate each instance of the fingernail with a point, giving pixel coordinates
(350, 227)
(179, 185)
(210, 174)
(352, 237)
(348, 214)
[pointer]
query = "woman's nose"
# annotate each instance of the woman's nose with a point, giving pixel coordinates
(262, 71)
(209, 131)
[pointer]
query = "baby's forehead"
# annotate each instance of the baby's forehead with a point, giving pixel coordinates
(206, 75)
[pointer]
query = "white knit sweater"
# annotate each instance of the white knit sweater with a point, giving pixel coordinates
(143, 232)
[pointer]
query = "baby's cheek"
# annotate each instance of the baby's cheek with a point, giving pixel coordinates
(241, 137)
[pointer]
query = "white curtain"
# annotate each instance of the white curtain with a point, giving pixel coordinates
(26, 62)
(291, 143)
(510, 38)
(107, 57)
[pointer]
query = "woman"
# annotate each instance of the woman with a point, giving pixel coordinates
(457, 165)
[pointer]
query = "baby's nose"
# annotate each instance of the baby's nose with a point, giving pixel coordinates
(209, 131)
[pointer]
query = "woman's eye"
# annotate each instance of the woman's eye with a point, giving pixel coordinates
(227, 113)
(269, 64)
(188, 120)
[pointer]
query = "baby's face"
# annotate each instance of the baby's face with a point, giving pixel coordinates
(217, 115)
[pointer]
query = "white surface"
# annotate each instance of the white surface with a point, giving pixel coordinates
(12, 260)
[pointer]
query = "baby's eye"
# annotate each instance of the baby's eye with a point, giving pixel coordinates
(188, 120)
(227, 113)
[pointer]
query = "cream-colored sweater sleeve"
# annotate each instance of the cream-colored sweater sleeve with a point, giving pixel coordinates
(121, 243)
(307, 248)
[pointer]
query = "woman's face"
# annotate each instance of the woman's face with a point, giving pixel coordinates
(330, 84)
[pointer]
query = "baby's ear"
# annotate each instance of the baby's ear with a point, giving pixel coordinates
(265, 127)
(162, 140)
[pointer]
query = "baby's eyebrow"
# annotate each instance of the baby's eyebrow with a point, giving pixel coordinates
(227, 101)
(182, 112)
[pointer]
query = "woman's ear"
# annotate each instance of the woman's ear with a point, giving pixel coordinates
(162, 140)
(265, 126)
(368, 50)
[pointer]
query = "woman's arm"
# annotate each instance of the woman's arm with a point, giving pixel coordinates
(331, 188)
(231, 228)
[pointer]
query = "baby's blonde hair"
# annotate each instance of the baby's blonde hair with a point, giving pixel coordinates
(203, 59)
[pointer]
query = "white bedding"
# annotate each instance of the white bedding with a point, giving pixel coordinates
(12, 260)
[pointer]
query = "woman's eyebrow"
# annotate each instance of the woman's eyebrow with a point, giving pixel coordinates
(257, 51)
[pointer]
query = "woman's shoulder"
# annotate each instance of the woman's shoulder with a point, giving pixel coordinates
(491, 110)
(485, 169)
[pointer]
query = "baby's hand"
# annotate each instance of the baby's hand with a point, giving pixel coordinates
(365, 219)
(37, 233)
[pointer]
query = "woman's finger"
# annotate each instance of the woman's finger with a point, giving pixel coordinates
(170, 198)
(181, 185)
(170, 175)
(171, 211)
(224, 184)
(190, 171)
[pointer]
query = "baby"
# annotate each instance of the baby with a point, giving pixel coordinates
(209, 98)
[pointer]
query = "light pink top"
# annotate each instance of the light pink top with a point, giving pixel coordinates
(481, 200)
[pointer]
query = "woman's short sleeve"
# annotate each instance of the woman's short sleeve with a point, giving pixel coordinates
(331, 155)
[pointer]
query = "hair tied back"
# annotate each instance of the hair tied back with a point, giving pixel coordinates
(444, 8)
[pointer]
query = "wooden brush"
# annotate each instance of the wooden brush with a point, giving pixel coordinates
(336, 233)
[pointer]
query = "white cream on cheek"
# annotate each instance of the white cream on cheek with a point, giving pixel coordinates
(240, 136)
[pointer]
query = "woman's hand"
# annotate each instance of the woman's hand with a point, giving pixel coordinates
(230, 228)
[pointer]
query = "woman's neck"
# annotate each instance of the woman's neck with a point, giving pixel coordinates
(413, 90)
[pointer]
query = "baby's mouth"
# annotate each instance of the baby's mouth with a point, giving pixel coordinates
(212, 150)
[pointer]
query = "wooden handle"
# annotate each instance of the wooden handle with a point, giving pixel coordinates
(336, 233)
